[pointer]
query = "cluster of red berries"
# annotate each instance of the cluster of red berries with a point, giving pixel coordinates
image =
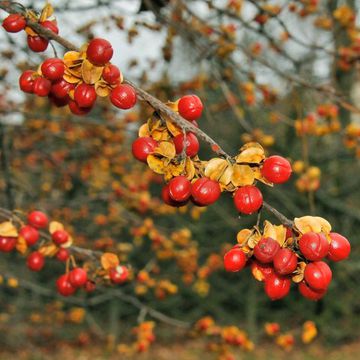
(16, 22)
(276, 266)
(80, 98)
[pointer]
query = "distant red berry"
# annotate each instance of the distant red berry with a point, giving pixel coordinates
(180, 188)
(50, 25)
(77, 277)
(63, 285)
(248, 199)
(234, 260)
(339, 247)
(111, 74)
(62, 254)
(285, 262)
(309, 293)
(119, 274)
(277, 286)
(14, 23)
(190, 107)
(53, 69)
(142, 147)
(7, 244)
(99, 51)
(77, 110)
(26, 81)
(205, 191)
(192, 144)
(276, 169)
(85, 95)
(35, 261)
(266, 249)
(314, 246)
(90, 286)
(42, 86)
(123, 97)
(37, 219)
(37, 43)
(60, 89)
(318, 275)
(165, 195)
(30, 234)
(60, 237)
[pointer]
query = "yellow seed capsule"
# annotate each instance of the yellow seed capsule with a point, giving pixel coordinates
(298, 166)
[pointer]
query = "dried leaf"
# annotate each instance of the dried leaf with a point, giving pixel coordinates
(243, 236)
(102, 89)
(189, 169)
(215, 168)
(144, 130)
(7, 229)
(91, 73)
(109, 260)
(55, 226)
(155, 164)
(251, 152)
(48, 250)
(242, 175)
(21, 245)
(173, 128)
(166, 149)
(46, 12)
(312, 223)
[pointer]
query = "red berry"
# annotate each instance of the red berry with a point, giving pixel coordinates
(248, 199)
(78, 277)
(285, 261)
(314, 246)
(37, 219)
(192, 144)
(37, 43)
(60, 237)
(50, 25)
(58, 102)
(26, 81)
(276, 169)
(123, 97)
(111, 74)
(53, 69)
(142, 147)
(234, 260)
(119, 274)
(205, 191)
(261, 271)
(14, 23)
(309, 293)
(60, 89)
(277, 286)
(85, 95)
(90, 286)
(99, 51)
(63, 285)
(42, 87)
(165, 195)
(77, 110)
(339, 247)
(29, 234)
(35, 261)
(318, 275)
(7, 244)
(190, 107)
(180, 188)
(62, 254)
(266, 249)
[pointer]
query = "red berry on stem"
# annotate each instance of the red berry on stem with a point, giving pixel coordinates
(60, 237)
(261, 271)
(276, 169)
(277, 286)
(99, 51)
(62, 254)
(78, 277)
(53, 69)
(180, 188)
(266, 249)
(285, 261)
(90, 286)
(314, 246)
(165, 195)
(111, 74)
(119, 274)
(85, 95)
(7, 244)
(63, 285)
(60, 89)
(339, 247)
(26, 81)
(29, 234)
(50, 25)
(192, 144)
(190, 107)
(142, 147)
(14, 23)
(123, 97)
(248, 199)
(42, 87)
(37, 219)
(35, 261)
(318, 275)
(37, 43)
(234, 260)
(77, 110)
(309, 293)
(205, 191)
